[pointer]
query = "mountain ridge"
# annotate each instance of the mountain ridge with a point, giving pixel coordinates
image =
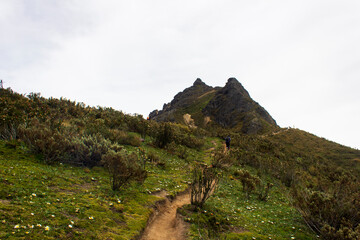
(230, 107)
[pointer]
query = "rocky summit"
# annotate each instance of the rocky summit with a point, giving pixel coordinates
(230, 107)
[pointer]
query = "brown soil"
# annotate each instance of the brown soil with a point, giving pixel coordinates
(166, 225)
(5, 202)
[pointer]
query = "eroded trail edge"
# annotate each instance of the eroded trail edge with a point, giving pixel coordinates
(165, 224)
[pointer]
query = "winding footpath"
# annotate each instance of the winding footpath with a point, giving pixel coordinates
(165, 225)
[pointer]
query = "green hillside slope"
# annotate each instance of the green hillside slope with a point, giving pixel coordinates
(67, 171)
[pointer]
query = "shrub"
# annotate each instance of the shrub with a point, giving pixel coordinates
(153, 157)
(57, 146)
(8, 132)
(221, 159)
(287, 173)
(138, 124)
(123, 168)
(88, 150)
(42, 140)
(164, 135)
(122, 137)
(333, 210)
(178, 150)
(264, 191)
(248, 181)
(204, 181)
(211, 222)
(191, 141)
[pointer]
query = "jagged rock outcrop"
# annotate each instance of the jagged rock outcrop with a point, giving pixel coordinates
(230, 107)
(181, 100)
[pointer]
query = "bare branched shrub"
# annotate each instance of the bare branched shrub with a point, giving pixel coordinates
(123, 168)
(203, 184)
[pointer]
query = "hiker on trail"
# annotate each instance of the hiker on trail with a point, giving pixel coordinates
(227, 142)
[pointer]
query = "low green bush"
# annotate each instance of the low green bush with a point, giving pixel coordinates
(332, 210)
(123, 168)
(124, 138)
(42, 140)
(249, 182)
(164, 135)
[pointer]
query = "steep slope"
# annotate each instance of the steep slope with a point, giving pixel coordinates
(232, 106)
(64, 200)
(229, 107)
(184, 102)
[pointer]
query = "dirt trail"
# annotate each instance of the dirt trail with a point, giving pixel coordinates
(165, 225)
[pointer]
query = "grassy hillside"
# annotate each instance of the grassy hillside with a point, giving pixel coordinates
(66, 171)
(60, 201)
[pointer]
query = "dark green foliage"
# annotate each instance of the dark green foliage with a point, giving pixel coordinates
(62, 130)
(123, 168)
(138, 124)
(333, 209)
(88, 150)
(249, 182)
(57, 146)
(150, 157)
(212, 221)
(122, 137)
(164, 135)
(155, 159)
(204, 181)
(13, 111)
(222, 159)
(192, 142)
(264, 191)
(324, 176)
(178, 150)
(42, 140)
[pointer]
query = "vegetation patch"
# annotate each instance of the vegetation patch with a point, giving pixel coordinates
(230, 214)
(70, 171)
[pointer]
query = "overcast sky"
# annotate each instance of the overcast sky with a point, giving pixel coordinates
(300, 60)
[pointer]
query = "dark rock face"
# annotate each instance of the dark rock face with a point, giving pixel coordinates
(181, 100)
(233, 105)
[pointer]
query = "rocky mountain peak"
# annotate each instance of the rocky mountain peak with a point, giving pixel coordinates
(181, 100)
(198, 82)
(230, 106)
(233, 85)
(232, 80)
